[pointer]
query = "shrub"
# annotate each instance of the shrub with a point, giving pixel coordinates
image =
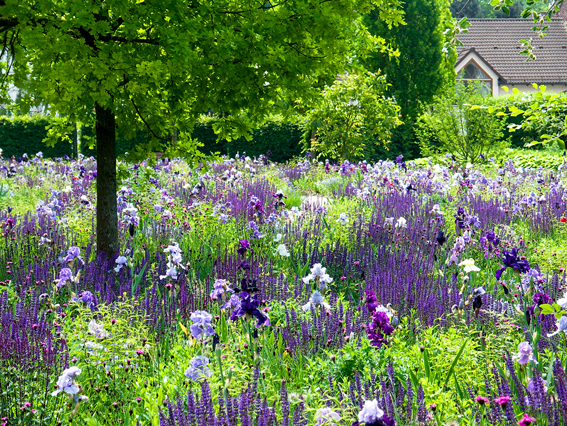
(458, 124)
(25, 134)
(352, 114)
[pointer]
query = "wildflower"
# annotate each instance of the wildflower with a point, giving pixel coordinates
(326, 416)
(97, 330)
(370, 413)
(66, 383)
(201, 326)
(64, 275)
(72, 254)
(316, 300)
(282, 250)
(482, 400)
(198, 370)
(249, 307)
(503, 401)
(401, 223)
(526, 420)
(511, 260)
(343, 219)
(563, 219)
(120, 262)
(469, 266)
(561, 326)
(244, 247)
(525, 354)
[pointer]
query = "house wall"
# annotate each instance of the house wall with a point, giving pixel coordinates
(528, 88)
(493, 76)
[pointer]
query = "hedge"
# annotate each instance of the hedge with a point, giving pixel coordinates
(277, 139)
(25, 134)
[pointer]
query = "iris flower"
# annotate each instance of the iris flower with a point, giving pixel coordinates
(512, 260)
(525, 354)
(249, 307)
(198, 369)
(66, 382)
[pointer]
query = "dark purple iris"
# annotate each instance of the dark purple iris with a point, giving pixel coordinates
(460, 216)
(244, 266)
(510, 259)
(379, 328)
(492, 239)
(250, 307)
(371, 301)
(244, 246)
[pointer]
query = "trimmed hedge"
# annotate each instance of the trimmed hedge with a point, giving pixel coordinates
(25, 134)
(279, 140)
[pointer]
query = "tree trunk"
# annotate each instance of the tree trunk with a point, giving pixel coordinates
(75, 144)
(106, 211)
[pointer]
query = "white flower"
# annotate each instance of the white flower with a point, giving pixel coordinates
(563, 301)
(561, 326)
(343, 219)
(436, 209)
(389, 222)
(370, 412)
(469, 266)
(98, 330)
(282, 250)
(318, 271)
(278, 238)
(401, 223)
(316, 300)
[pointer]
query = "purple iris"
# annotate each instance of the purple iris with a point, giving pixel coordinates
(244, 246)
(510, 259)
(201, 326)
(492, 238)
(88, 298)
(74, 253)
(249, 307)
(65, 275)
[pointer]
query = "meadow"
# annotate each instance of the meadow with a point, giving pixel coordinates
(307, 293)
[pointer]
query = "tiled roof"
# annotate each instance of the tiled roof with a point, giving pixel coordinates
(497, 42)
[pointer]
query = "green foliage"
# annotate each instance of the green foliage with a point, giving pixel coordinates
(543, 115)
(24, 135)
(456, 124)
(352, 114)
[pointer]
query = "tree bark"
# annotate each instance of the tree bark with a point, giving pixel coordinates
(75, 141)
(106, 211)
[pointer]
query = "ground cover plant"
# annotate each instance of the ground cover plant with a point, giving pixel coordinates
(307, 293)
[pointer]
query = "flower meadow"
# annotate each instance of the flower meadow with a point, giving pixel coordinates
(249, 293)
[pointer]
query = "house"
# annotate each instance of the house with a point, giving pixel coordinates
(491, 54)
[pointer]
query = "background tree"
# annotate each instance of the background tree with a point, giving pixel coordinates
(128, 64)
(425, 65)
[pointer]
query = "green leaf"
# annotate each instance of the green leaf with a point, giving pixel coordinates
(455, 362)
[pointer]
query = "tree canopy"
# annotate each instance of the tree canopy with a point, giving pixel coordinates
(158, 64)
